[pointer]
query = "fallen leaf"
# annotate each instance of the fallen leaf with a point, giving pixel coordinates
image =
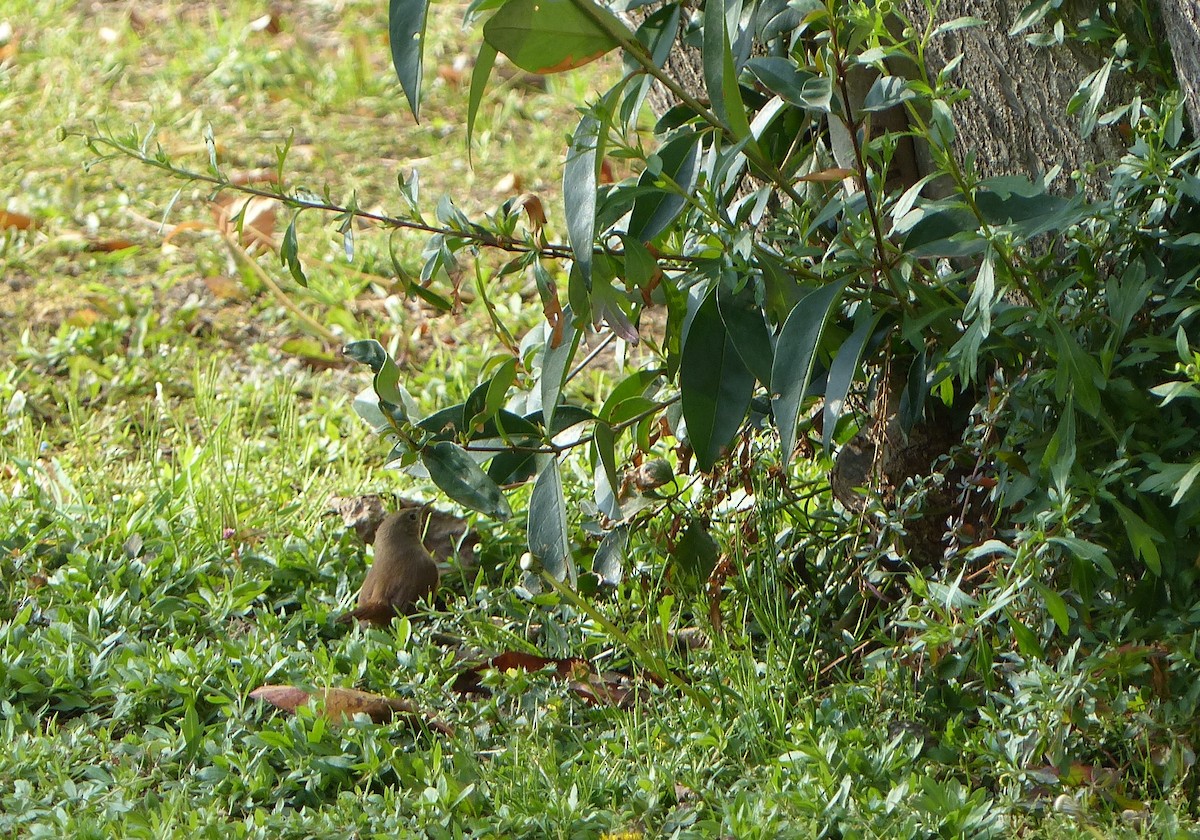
(342, 704)
(254, 176)
(510, 184)
(15, 220)
(608, 688)
(256, 215)
(225, 288)
(110, 245)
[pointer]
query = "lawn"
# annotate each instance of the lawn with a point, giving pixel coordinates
(173, 422)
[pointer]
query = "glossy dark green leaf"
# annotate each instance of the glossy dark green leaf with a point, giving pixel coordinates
(460, 478)
(406, 30)
(715, 386)
(549, 36)
(655, 210)
(743, 319)
(605, 444)
(795, 353)
(290, 255)
(555, 361)
(842, 373)
(720, 74)
(916, 390)
(579, 194)
(1078, 372)
(609, 562)
(497, 392)
(657, 34)
(791, 84)
(549, 540)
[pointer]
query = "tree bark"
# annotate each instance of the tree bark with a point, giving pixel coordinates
(1182, 19)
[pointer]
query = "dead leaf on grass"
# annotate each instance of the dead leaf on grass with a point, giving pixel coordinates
(254, 176)
(598, 688)
(225, 288)
(110, 245)
(15, 220)
(340, 705)
(256, 215)
(510, 184)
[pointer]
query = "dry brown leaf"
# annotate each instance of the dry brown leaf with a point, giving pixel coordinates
(532, 205)
(510, 184)
(268, 23)
(257, 217)
(83, 317)
(254, 176)
(225, 288)
(607, 688)
(342, 704)
(110, 245)
(15, 220)
(834, 174)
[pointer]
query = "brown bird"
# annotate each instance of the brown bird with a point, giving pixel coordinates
(402, 574)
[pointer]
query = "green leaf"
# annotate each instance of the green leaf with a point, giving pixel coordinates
(842, 372)
(579, 194)
(1027, 641)
(549, 540)
(720, 75)
(887, 92)
(655, 210)
(1078, 372)
(554, 365)
(289, 253)
(1084, 550)
(1056, 606)
(795, 353)
(460, 478)
(782, 77)
(743, 319)
(1060, 452)
(604, 442)
(479, 79)
(609, 562)
(695, 555)
(406, 30)
(496, 392)
(1142, 537)
(715, 387)
(549, 36)
(657, 34)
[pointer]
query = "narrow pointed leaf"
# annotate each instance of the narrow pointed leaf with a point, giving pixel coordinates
(479, 79)
(579, 194)
(653, 212)
(743, 319)
(795, 353)
(406, 30)
(715, 386)
(609, 562)
(549, 540)
(841, 376)
(460, 478)
(554, 366)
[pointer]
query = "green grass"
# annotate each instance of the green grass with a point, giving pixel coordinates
(164, 549)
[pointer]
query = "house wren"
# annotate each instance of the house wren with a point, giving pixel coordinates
(402, 574)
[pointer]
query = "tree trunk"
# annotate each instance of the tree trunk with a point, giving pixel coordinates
(1182, 19)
